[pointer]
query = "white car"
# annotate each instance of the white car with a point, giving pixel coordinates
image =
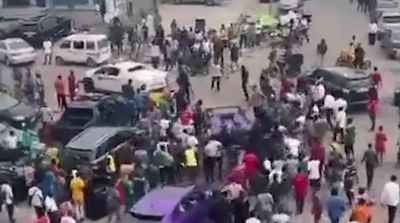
(111, 77)
(16, 51)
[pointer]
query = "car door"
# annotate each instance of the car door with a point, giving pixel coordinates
(65, 50)
(3, 51)
(78, 51)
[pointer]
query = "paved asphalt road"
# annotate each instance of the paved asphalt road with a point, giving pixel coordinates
(334, 20)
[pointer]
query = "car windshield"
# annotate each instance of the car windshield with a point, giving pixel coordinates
(76, 117)
(7, 101)
(359, 83)
(102, 43)
(32, 27)
(391, 19)
(16, 45)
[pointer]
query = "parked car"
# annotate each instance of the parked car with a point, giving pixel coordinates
(388, 21)
(384, 6)
(89, 49)
(391, 43)
(18, 114)
(93, 111)
(173, 204)
(9, 27)
(91, 146)
(37, 29)
(16, 51)
(111, 77)
(350, 84)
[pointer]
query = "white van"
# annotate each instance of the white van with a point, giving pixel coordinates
(90, 49)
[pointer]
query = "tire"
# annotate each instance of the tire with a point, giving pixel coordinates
(59, 60)
(91, 63)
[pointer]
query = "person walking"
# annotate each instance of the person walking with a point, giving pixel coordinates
(59, 85)
(47, 49)
(316, 209)
(376, 78)
(300, 183)
(340, 125)
(349, 138)
(245, 81)
(234, 57)
(155, 54)
(390, 197)
(35, 198)
(72, 85)
(372, 110)
(371, 161)
(40, 90)
(264, 206)
(335, 206)
(216, 78)
(191, 163)
(373, 30)
(77, 186)
(212, 153)
(8, 200)
(322, 48)
(380, 143)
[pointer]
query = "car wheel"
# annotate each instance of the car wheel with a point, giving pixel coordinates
(91, 63)
(59, 60)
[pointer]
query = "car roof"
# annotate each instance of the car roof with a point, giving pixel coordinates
(86, 37)
(93, 137)
(12, 40)
(124, 65)
(160, 202)
(347, 73)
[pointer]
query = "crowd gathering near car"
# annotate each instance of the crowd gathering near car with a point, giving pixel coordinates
(131, 145)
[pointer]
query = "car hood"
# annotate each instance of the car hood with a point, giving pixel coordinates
(20, 111)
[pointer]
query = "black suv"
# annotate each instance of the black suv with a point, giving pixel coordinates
(350, 84)
(97, 110)
(37, 29)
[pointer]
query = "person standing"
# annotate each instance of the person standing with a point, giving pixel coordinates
(191, 163)
(340, 125)
(376, 78)
(77, 186)
(265, 206)
(322, 48)
(245, 81)
(371, 161)
(60, 93)
(373, 30)
(380, 143)
(71, 85)
(40, 89)
(47, 48)
(8, 199)
(155, 54)
(390, 197)
(234, 57)
(216, 78)
(212, 153)
(315, 172)
(36, 199)
(336, 206)
(300, 183)
(349, 138)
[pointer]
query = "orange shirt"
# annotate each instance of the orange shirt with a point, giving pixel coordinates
(60, 87)
(362, 214)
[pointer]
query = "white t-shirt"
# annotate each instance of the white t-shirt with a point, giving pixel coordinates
(213, 148)
(234, 190)
(47, 45)
(155, 51)
(67, 219)
(373, 28)
(280, 218)
(277, 172)
(329, 101)
(253, 220)
(36, 196)
(341, 119)
(390, 194)
(313, 168)
(8, 193)
(340, 103)
(51, 205)
(267, 164)
(318, 92)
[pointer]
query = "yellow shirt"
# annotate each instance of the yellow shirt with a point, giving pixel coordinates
(190, 157)
(77, 185)
(157, 98)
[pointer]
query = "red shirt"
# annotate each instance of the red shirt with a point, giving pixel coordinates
(318, 153)
(43, 219)
(60, 87)
(373, 106)
(376, 78)
(119, 185)
(300, 182)
(380, 140)
(251, 163)
(71, 84)
(187, 116)
(238, 175)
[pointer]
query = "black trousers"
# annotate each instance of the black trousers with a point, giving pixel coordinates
(370, 175)
(166, 174)
(391, 213)
(372, 117)
(209, 166)
(245, 92)
(300, 204)
(10, 211)
(371, 38)
(215, 83)
(62, 101)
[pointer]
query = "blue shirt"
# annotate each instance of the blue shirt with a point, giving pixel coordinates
(336, 207)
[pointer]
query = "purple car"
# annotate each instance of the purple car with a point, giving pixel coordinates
(159, 203)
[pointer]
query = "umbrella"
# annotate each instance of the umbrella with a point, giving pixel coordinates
(267, 20)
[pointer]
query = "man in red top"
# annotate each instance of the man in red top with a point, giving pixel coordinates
(300, 182)
(318, 153)
(60, 92)
(373, 109)
(380, 141)
(286, 85)
(71, 85)
(251, 163)
(376, 78)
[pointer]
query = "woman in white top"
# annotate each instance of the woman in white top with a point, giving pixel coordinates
(52, 209)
